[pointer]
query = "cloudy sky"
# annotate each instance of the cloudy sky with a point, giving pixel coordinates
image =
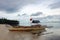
(11, 9)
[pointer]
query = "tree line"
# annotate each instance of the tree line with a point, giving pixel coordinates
(10, 22)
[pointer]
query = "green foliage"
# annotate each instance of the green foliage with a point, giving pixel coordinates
(10, 22)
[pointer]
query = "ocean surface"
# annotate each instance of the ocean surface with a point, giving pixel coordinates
(54, 25)
(28, 23)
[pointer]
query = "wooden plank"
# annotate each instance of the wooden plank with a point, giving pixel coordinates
(27, 29)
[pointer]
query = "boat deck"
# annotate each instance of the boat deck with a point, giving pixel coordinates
(32, 29)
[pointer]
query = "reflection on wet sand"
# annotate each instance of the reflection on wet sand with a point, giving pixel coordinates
(8, 35)
(19, 36)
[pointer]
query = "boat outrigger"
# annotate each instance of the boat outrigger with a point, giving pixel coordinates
(35, 28)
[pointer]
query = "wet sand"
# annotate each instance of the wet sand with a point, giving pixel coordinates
(5, 34)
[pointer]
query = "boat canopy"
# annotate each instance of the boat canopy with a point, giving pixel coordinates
(35, 21)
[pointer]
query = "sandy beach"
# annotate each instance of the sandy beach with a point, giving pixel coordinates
(50, 34)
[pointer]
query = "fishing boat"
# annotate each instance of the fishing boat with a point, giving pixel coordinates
(35, 28)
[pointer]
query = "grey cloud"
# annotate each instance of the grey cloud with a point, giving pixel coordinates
(37, 14)
(55, 5)
(14, 5)
(24, 14)
(52, 17)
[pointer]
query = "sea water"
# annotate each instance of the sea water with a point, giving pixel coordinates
(54, 25)
(25, 21)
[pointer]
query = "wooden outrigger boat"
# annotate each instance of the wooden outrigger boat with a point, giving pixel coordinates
(33, 28)
(27, 28)
(36, 29)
